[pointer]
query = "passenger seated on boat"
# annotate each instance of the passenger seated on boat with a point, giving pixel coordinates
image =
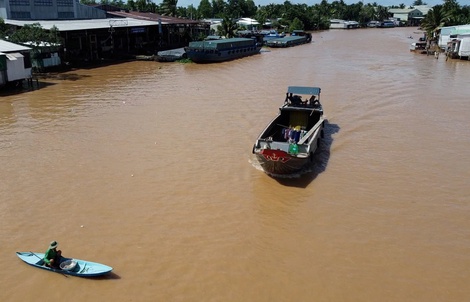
(295, 100)
(288, 98)
(313, 101)
(52, 256)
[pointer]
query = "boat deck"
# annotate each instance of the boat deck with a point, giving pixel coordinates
(286, 41)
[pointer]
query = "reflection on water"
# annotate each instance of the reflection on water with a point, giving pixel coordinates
(154, 160)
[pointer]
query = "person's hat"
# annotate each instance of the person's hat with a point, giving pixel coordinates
(53, 245)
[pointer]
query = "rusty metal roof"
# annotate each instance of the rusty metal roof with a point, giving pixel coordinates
(152, 17)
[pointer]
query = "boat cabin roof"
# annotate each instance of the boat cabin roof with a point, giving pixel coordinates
(222, 43)
(304, 90)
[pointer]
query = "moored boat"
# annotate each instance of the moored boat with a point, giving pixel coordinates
(220, 50)
(68, 266)
(289, 141)
(343, 24)
(171, 55)
(271, 34)
(297, 37)
(419, 47)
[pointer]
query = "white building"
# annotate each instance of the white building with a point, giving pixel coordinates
(446, 32)
(409, 16)
(15, 63)
(248, 23)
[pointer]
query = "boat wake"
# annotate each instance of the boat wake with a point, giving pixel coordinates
(254, 162)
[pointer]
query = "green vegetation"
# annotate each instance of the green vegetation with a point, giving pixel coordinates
(227, 28)
(448, 14)
(284, 17)
(33, 34)
(288, 16)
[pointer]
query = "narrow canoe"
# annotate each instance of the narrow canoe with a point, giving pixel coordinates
(82, 268)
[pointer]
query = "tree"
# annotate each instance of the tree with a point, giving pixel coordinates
(227, 27)
(3, 29)
(53, 36)
(88, 2)
(193, 13)
(419, 2)
(35, 34)
(141, 5)
(249, 8)
(169, 7)
(296, 24)
(451, 5)
(205, 9)
(234, 9)
(131, 5)
(367, 14)
(218, 8)
(462, 16)
(452, 8)
(434, 20)
(382, 13)
(261, 18)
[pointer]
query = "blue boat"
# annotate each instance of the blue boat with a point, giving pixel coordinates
(68, 266)
(211, 51)
(271, 34)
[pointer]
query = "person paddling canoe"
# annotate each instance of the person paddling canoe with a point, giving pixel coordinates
(52, 255)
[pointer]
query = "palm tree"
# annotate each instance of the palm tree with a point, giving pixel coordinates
(169, 7)
(382, 13)
(434, 20)
(227, 27)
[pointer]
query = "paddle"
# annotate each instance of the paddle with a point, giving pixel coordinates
(36, 255)
(52, 269)
(83, 269)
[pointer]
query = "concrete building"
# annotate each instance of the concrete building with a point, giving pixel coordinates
(48, 10)
(102, 33)
(407, 16)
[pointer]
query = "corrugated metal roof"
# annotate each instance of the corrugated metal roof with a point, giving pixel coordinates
(70, 25)
(152, 17)
(400, 10)
(6, 47)
(14, 56)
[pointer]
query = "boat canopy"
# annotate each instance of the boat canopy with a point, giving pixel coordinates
(304, 90)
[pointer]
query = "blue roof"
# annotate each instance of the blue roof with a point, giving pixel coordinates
(304, 90)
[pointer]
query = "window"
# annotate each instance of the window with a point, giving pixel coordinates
(20, 15)
(65, 15)
(43, 2)
(64, 3)
(19, 2)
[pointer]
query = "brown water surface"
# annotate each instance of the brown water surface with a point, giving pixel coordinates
(154, 161)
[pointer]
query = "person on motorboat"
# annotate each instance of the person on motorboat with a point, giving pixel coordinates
(313, 101)
(52, 256)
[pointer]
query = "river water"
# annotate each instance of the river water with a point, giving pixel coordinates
(147, 167)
